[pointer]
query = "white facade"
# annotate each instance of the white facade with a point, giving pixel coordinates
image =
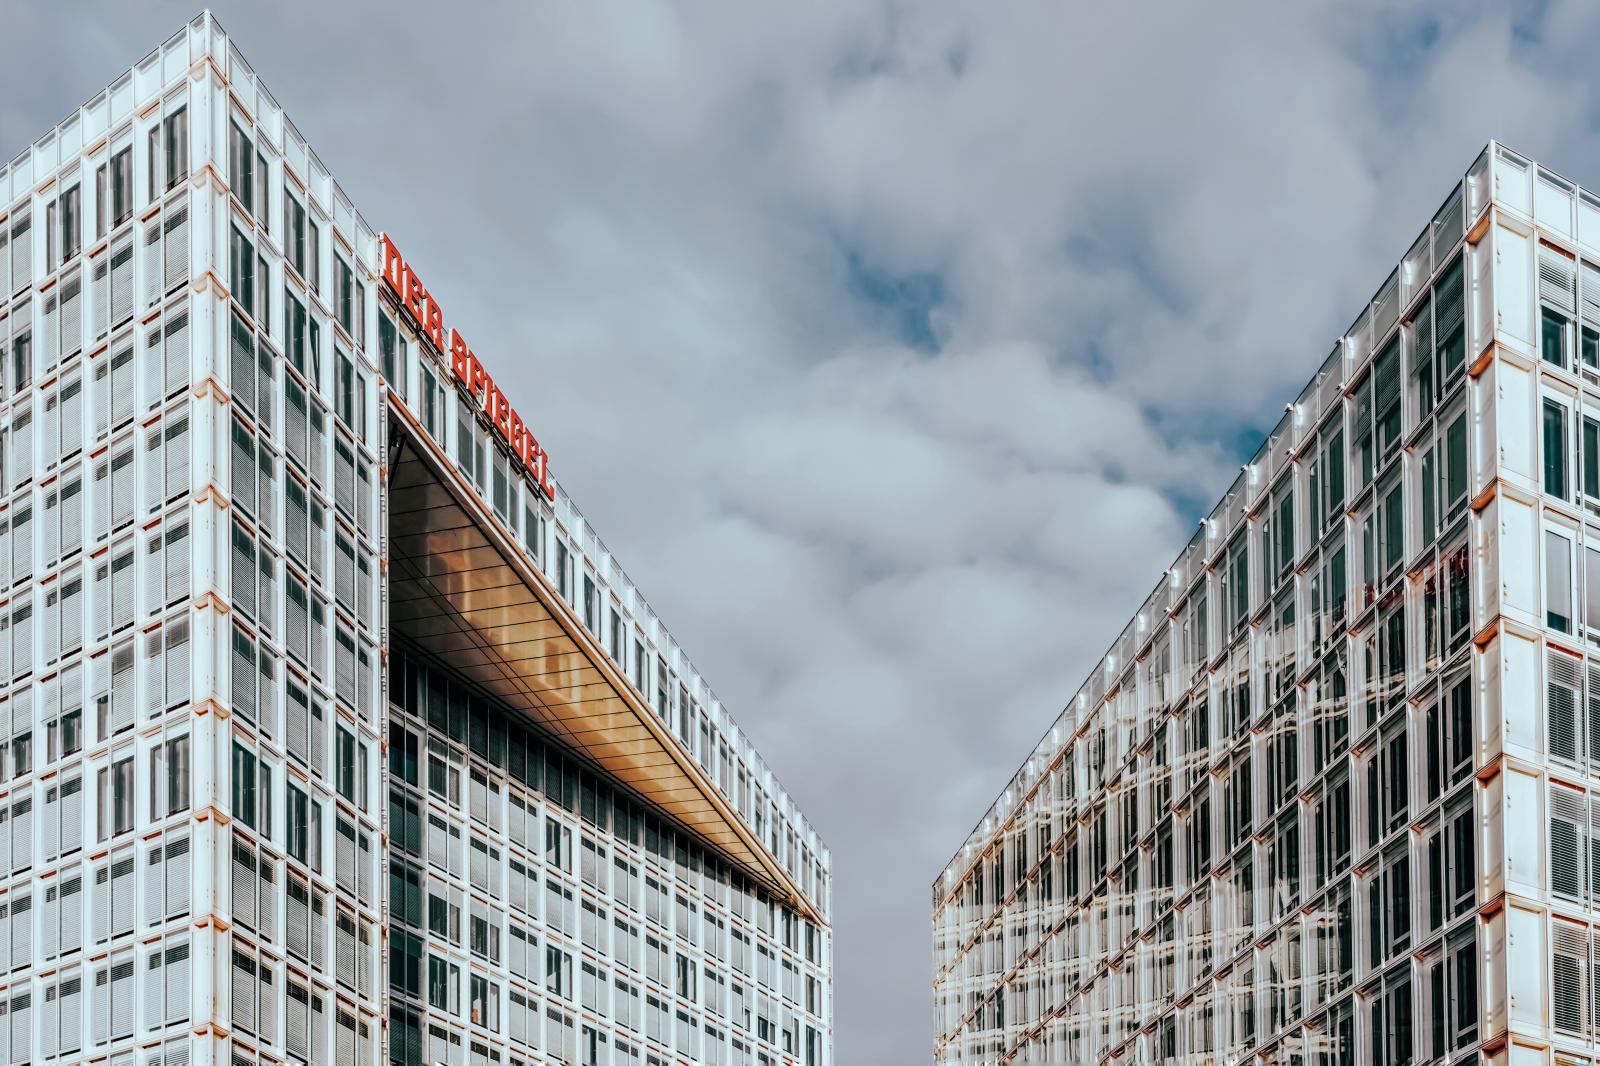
(241, 824)
(1330, 797)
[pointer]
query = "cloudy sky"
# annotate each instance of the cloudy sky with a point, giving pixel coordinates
(894, 348)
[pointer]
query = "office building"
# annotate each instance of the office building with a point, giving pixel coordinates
(331, 730)
(1332, 795)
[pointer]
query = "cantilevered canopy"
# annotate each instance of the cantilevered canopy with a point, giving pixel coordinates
(462, 592)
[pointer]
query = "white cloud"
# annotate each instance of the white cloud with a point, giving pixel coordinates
(1147, 226)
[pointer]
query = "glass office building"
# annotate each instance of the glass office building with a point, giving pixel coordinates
(329, 730)
(1333, 795)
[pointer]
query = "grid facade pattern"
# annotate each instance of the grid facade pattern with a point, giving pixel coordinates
(1328, 797)
(217, 779)
(550, 912)
(191, 624)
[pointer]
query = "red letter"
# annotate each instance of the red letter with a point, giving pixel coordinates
(530, 452)
(415, 296)
(544, 475)
(501, 413)
(459, 356)
(479, 378)
(538, 463)
(434, 326)
(516, 435)
(393, 266)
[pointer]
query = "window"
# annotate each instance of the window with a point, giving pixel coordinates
(62, 1028)
(252, 790)
(1572, 979)
(112, 1010)
(1554, 333)
(405, 965)
(297, 329)
(443, 985)
(1555, 449)
(403, 753)
(168, 156)
(392, 353)
(294, 224)
(433, 411)
(21, 362)
(241, 167)
(252, 999)
(444, 778)
(114, 191)
(1389, 906)
(345, 397)
(63, 908)
(303, 819)
(1448, 727)
(1236, 582)
(169, 777)
(1590, 334)
(1427, 495)
(345, 762)
(114, 897)
(1591, 586)
(1388, 780)
(558, 972)
(175, 141)
(558, 845)
(1451, 856)
(1331, 827)
(348, 299)
(167, 878)
(1570, 844)
(1391, 1021)
(1455, 466)
(64, 232)
(115, 791)
(166, 984)
(242, 271)
(63, 818)
(502, 485)
(686, 975)
(1558, 610)
(1458, 602)
(1386, 377)
(484, 998)
(1591, 460)
(1391, 524)
(313, 256)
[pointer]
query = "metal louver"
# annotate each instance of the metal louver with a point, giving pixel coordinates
(176, 634)
(175, 241)
(1569, 972)
(71, 315)
(150, 264)
(1563, 692)
(244, 885)
(175, 353)
(121, 282)
(242, 364)
(100, 297)
(244, 992)
(1569, 842)
(1589, 292)
(1557, 279)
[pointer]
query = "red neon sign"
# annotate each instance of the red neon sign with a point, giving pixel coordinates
(428, 317)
